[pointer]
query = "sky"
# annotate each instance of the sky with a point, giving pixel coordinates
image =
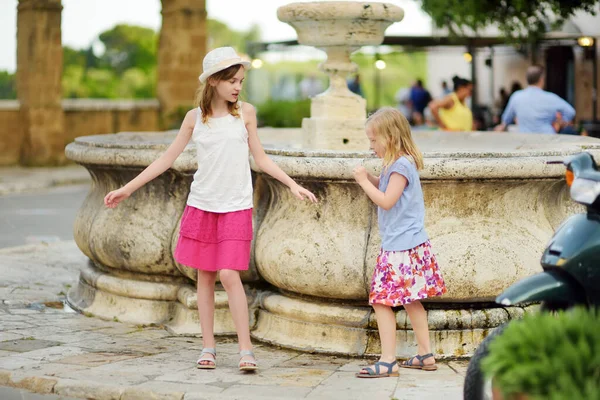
(84, 20)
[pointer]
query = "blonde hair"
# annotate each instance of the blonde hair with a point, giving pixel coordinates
(206, 92)
(392, 128)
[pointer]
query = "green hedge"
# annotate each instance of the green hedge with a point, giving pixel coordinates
(283, 114)
(548, 356)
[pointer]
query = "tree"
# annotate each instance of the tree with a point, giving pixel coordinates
(7, 85)
(129, 46)
(219, 35)
(515, 18)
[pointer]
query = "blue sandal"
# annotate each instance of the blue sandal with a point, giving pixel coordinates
(377, 373)
(421, 365)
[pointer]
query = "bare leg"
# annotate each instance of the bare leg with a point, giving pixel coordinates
(418, 319)
(206, 308)
(386, 323)
(238, 305)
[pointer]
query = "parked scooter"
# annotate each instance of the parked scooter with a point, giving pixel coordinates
(571, 264)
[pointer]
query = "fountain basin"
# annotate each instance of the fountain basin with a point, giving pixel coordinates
(492, 203)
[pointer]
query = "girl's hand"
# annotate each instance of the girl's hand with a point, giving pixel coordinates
(360, 174)
(302, 193)
(115, 197)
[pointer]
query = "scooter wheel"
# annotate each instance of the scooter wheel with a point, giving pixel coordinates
(475, 383)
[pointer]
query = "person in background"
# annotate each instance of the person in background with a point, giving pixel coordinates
(501, 102)
(445, 89)
(515, 87)
(404, 104)
(419, 96)
(354, 86)
(536, 110)
(451, 112)
(310, 86)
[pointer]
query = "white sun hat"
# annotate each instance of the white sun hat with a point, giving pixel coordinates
(219, 59)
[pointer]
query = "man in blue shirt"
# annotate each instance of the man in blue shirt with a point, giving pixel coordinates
(534, 109)
(419, 96)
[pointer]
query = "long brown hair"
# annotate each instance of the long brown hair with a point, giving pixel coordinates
(206, 92)
(390, 126)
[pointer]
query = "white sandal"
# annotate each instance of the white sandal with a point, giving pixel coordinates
(249, 365)
(213, 360)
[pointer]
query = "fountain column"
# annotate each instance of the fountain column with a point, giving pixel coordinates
(337, 116)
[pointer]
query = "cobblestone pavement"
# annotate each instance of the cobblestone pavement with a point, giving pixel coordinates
(48, 349)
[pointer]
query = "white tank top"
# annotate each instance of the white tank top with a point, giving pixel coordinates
(223, 182)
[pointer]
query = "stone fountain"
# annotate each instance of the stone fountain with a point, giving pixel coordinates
(492, 202)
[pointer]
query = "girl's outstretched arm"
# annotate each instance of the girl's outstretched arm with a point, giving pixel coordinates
(159, 166)
(392, 193)
(264, 162)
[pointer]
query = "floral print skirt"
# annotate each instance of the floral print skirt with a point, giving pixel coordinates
(402, 277)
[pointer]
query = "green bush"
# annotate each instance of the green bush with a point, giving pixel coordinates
(283, 114)
(548, 356)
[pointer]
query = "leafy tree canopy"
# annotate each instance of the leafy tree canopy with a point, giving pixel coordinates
(219, 34)
(129, 46)
(515, 18)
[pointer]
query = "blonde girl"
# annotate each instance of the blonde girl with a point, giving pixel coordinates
(406, 270)
(216, 226)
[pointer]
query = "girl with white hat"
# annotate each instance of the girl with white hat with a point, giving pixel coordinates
(216, 226)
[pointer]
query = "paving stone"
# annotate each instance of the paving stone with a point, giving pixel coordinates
(345, 385)
(96, 359)
(460, 367)
(16, 362)
(36, 384)
(213, 377)
(8, 325)
(154, 390)
(5, 377)
(6, 336)
(49, 370)
(87, 390)
(303, 377)
(315, 361)
(449, 393)
(53, 353)
(4, 353)
(151, 365)
(115, 377)
(266, 392)
(25, 345)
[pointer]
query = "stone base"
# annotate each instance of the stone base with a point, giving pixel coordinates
(335, 133)
(306, 325)
(173, 305)
(185, 320)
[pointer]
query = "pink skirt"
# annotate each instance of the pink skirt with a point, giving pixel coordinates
(401, 277)
(214, 241)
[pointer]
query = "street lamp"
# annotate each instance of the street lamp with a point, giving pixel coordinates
(380, 64)
(468, 57)
(257, 63)
(585, 41)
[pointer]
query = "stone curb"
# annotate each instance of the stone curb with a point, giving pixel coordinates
(93, 390)
(86, 389)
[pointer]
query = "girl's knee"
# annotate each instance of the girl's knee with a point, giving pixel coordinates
(206, 277)
(229, 278)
